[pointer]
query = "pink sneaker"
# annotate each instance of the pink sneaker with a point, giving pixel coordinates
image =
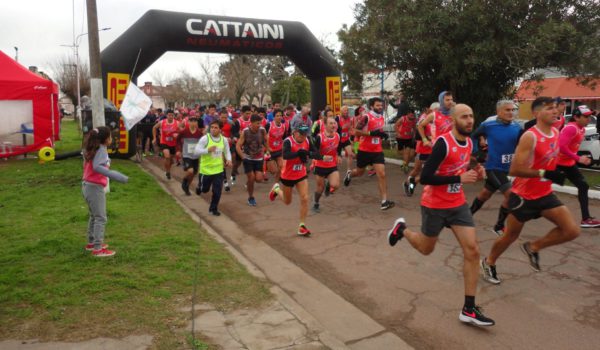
(590, 222)
(273, 192)
(103, 253)
(90, 247)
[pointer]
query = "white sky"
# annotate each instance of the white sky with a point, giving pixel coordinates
(39, 27)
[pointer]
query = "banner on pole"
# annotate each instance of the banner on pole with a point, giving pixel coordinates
(135, 106)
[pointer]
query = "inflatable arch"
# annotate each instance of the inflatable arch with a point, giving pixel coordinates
(157, 32)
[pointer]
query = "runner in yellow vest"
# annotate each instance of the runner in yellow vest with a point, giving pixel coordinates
(215, 155)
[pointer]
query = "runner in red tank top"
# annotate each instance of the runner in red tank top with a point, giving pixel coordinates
(277, 131)
(533, 167)
(328, 146)
(406, 127)
(369, 128)
(345, 131)
(410, 184)
(443, 204)
(226, 131)
(569, 141)
(296, 152)
(169, 129)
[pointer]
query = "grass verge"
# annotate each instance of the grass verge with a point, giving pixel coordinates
(51, 288)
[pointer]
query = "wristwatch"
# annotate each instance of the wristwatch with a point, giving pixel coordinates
(541, 172)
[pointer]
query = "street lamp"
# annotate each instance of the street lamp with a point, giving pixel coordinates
(75, 46)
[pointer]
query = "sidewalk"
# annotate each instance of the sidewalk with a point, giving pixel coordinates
(334, 322)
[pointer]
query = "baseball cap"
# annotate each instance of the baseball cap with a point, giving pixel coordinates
(302, 128)
(582, 110)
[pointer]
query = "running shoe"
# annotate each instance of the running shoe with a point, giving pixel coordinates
(252, 202)
(488, 272)
(303, 231)
(347, 178)
(475, 316)
(227, 188)
(101, 253)
(411, 188)
(90, 247)
(198, 190)
(397, 231)
(534, 258)
(590, 222)
(315, 208)
(185, 186)
(215, 212)
(265, 177)
(499, 231)
(168, 175)
(327, 188)
(371, 173)
(406, 189)
(273, 192)
(387, 205)
(232, 180)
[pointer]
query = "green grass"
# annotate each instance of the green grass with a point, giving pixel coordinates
(70, 138)
(50, 288)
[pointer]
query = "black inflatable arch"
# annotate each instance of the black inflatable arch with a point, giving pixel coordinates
(157, 32)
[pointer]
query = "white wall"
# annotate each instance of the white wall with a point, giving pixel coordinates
(13, 113)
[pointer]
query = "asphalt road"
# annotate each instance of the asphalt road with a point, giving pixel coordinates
(418, 297)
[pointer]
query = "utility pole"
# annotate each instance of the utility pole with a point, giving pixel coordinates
(16, 54)
(95, 69)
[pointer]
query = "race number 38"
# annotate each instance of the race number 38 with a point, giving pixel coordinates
(507, 158)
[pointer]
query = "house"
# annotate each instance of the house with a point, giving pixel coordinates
(156, 94)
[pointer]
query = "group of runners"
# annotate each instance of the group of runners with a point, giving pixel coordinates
(288, 146)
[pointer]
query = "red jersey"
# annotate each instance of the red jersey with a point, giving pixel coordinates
(420, 148)
(244, 123)
(559, 123)
(226, 131)
(328, 147)
(169, 132)
(456, 162)
(276, 134)
(406, 127)
(288, 118)
(579, 133)
(441, 124)
(345, 126)
(371, 143)
(294, 169)
(545, 152)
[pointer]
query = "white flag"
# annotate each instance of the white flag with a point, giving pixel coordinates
(135, 106)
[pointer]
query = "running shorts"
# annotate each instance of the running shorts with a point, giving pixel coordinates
(525, 210)
(434, 220)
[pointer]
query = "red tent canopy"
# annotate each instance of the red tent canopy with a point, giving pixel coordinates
(18, 83)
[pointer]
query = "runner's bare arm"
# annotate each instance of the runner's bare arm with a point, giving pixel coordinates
(154, 128)
(239, 144)
(360, 124)
(421, 128)
(520, 163)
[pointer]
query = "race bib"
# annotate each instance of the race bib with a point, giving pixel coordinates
(454, 188)
(218, 153)
(276, 143)
(344, 134)
(191, 147)
(168, 138)
(375, 140)
(297, 167)
(507, 158)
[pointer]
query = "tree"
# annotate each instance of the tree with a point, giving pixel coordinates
(294, 89)
(65, 74)
(477, 49)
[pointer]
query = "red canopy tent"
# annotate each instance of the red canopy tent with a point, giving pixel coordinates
(26, 96)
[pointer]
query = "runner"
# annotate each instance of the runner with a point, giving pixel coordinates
(169, 128)
(215, 156)
(251, 147)
(560, 120)
(534, 169)
(410, 184)
(501, 137)
(302, 119)
(277, 131)
(226, 130)
(186, 144)
(369, 128)
(326, 148)
(289, 114)
(239, 125)
(443, 204)
(441, 119)
(569, 141)
(296, 151)
(345, 126)
(405, 128)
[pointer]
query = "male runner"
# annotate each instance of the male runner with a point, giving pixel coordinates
(423, 151)
(441, 119)
(186, 144)
(443, 204)
(251, 147)
(277, 131)
(369, 128)
(169, 128)
(405, 128)
(345, 127)
(226, 130)
(296, 152)
(501, 137)
(569, 141)
(239, 125)
(534, 169)
(327, 148)
(212, 148)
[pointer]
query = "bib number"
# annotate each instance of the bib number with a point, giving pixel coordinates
(507, 158)
(276, 143)
(297, 167)
(454, 188)
(168, 138)
(191, 147)
(375, 140)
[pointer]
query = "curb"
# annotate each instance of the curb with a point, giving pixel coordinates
(302, 295)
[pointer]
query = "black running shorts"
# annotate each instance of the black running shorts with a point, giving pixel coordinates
(434, 220)
(369, 158)
(497, 180)
(406, 143)
(292, 183)
(251, 165)
(525, 210)
(189, 163)
(423, 157)
(171, 149)
(324, 172)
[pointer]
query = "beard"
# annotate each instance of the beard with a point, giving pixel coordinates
(463, 131)
(378, 110)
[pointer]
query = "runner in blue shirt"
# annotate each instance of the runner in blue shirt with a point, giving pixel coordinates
(501, 136)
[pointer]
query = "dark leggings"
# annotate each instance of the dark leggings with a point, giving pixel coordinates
(216, 183)
(574, 175)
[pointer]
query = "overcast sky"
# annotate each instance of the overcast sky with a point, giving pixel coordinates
(39, 27)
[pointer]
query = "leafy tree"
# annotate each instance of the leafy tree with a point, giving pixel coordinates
(294, 89)
(478, 49)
